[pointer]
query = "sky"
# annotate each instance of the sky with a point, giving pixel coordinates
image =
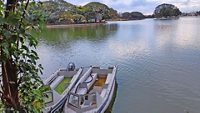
(144, 6)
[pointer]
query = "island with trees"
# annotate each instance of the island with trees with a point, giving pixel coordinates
(196, 13)
(21, 86)
(132, 16)
(60, 12)
(166, 11)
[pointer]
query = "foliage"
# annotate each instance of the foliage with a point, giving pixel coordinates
(133, 15)
(58, 12)
(21, 86)
(166, 10)
(198, 13)
(97, 7)
(66, 17)
(78, 18)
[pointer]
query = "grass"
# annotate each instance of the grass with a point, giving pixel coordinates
(60, 88)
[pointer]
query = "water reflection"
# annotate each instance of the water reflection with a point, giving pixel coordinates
(158, 60)
(179, 33)
(68, 34)
(77, 44)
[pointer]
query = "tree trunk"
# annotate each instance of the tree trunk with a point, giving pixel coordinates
(10, 87)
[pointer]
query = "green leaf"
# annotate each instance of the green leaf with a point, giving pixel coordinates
(17, 47)
(25, 48)
(34, 53)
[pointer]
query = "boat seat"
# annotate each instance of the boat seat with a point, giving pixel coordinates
(84, 87)
(105, 87)
(104, 90)
(56, 81)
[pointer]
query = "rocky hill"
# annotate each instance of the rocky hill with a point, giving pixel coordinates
(62, 12)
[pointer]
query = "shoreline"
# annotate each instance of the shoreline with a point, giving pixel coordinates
(49, 26)
(85, 24)
(73, 25)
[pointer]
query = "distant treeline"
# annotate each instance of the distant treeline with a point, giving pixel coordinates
(62, 12)
(197, 13)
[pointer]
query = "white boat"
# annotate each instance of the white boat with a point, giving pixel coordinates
(93, 92)
(59, 84)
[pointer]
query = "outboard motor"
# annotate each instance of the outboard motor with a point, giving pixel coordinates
(71, 66)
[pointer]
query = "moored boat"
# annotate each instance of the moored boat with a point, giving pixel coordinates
(93, 92)
(59, 85)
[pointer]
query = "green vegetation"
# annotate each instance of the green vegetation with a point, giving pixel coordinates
(61, 12)
(101, 10)
(166, 11)
(22, 89)
(132, 16)
(62, 85)
(197, 13)
(78, 32)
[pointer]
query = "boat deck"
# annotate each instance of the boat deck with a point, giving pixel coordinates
(98, 85)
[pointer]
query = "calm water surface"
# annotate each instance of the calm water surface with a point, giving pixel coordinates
(158, 60)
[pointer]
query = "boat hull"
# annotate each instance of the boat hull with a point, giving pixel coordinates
(62, 98)
(104, 97)
(105, 106)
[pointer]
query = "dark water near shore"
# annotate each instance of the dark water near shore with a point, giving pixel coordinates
(158, 60)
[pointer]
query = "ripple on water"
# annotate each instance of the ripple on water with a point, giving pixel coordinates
(158, 62)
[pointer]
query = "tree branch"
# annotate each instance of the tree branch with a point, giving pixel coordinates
(24, 12)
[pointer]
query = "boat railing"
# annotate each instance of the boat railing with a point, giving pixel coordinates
(74, 100)
(83, 102)
(88, 100)
(74, 80)
(48, 97)
(51, 78)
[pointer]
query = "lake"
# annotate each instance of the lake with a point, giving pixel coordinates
(158, 60)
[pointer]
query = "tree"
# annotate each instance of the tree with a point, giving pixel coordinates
(21, 87)
(66, 17)
(78, 18)
(166, 10)
(133, 15)
(89, 14)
